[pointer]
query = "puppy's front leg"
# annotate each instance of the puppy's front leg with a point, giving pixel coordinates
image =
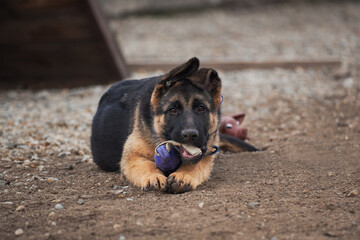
(138, 166)
(188, 177)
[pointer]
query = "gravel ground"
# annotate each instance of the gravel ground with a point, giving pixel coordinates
(304, 186)
(271, 32)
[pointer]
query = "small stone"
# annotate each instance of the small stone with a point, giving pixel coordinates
(53, 223)
(274, 238)
(52, 214)
(201, 205)
(41, 168)
(2, 183)
(139, 223)
(254, 204)
(117, 226)
(59, 206)
(19, 231)
(7, 203)
(52, 179)
(20, 208)
(85, 158)
(130, 199)
(353, 193)
(122, 237)
(33, 188)
(1, 176)
(116, 187)
(18, 184)
(81, 201)
(331, 174)
(27, 162)
(117, 192)
(62, 155)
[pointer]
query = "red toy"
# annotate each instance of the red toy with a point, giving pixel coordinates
(230, 125)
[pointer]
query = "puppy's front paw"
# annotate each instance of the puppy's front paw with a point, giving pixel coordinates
(180, 183)
(154, 182)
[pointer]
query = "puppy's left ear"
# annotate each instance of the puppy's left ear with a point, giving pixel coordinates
(208, 79)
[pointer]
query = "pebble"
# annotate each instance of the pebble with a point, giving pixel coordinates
(52, 179)
(274, 238)
(130, 199)
(254, 204)
(119, 191)
(117, 226)
(80, 201)
(41, 168)
(52, 214)
(53, 223)
(33, 188)
(353, 193)
(2, 183)
(331, 174)
(59, 206)
(122, 237)
(20, 208)
(19, 231)
(7, 203)
(201, 205)
(62, 155)
(1, 176)
(116, 187)
(85, 158)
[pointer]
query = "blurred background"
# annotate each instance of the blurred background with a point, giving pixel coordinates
(84, 42)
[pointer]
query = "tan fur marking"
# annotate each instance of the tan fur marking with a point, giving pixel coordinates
(137, 163)
(213, 122)
(159, 122)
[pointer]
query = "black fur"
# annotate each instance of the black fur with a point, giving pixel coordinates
(113, 121)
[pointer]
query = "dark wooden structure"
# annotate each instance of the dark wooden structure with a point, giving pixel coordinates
(56, 43)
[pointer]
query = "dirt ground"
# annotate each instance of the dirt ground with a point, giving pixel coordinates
(305, 185)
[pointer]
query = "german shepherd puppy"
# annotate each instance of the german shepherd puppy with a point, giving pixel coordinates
(135, 116)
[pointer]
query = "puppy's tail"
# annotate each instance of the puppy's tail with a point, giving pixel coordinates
(233, 144)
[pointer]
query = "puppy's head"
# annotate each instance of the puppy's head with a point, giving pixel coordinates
(186, 104)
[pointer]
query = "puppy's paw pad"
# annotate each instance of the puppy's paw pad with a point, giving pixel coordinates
(179, 183)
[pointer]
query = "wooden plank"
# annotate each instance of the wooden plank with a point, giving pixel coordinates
(47, 42)
(241, 65)
(41, 6)
(58, 28)
(115, 57)
(65, 60)
(41, 82)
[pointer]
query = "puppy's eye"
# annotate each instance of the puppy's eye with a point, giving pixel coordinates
(173, 111)
(201, 109)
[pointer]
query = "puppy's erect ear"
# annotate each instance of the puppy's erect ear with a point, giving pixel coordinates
(208, 79)
(168, 80)
(239, 117)
(185, 70)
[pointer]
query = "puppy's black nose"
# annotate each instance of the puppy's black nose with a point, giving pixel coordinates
(190, 135)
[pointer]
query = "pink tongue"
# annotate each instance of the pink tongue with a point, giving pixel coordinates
(185, 153)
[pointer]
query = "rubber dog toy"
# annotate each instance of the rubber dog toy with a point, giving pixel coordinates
(230, 125)
(166, 158)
